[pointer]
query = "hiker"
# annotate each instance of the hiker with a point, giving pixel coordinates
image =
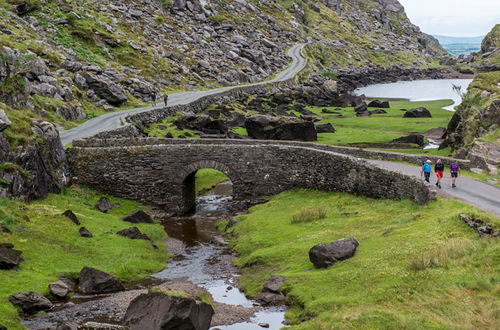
(165, 99)
(439, 169)
(454, 169)
(426, 170)
(153, 99)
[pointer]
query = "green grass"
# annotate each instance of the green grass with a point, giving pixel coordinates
(207, 178)
(416, 267)
(382, 128)
(52, 246)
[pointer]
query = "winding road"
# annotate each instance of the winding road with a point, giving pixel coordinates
(476, 193)
(115, 120)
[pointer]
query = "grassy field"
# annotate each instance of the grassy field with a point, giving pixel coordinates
(207, 178)
(52, 246)
(416, 266)
(383, 128)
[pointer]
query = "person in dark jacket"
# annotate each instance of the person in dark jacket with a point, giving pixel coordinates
(165, 99)
(439, 169)
(454, 169)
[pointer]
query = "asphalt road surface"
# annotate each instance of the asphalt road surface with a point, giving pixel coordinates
(482, 195)
(115, 120)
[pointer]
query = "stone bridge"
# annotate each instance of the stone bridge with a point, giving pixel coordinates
(161, 172)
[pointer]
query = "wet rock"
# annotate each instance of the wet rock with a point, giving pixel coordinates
(84, 232)
(103, 205)
(100, 326)
(325, 255)
(133, 233)
(96, 281)
(9, 258)
(282, 128)
(31, 302)
(161, 311)
(4, 121)
(271, 292)
(413, 138)
(70, 215)
(325, 128)
(417, 113)
(59, 289)
(138, 216)
(379, 104)
(264, 325)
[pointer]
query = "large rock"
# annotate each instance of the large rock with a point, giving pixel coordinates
(379, 104)
(139, 216)
(59, 289)
(84, 232)
(271, 293)
(9, 258)
(417, 113)
(413, 138)
(155, 311)
(96, 281)
(71, 216)
(133, 233)
(325, 128)
(105, 88)
(325, 255)
(31, 302)
(283, 128)
(103, 204)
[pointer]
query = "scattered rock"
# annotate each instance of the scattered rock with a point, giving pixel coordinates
(84, 232)
(103, 205)
(70, 215)
(133, 233)
(59, 289)
(161, 311)
(376, 111)
(271, 292)
(479, 226)
(138, 216)
(361, 107)
(280, 128)
(67, 326)
(325, 128)
(325, 255)
(417, 113)
(9, 258)
(96, 281)
(31, 302)
(379, 104)
(413, 138)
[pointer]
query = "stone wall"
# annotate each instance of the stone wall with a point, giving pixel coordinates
(160, 172)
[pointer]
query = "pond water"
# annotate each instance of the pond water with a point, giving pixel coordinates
(418, 90)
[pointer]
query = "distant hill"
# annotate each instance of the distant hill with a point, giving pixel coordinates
(460, 45)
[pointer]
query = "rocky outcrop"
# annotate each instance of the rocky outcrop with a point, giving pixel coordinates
(158, 310)
(138, 216)
(483, 229)
(412, 138)
(284, 128)
(326, 255)
(379, 104)
(9, 257)
(325, 128)
(31, 302)
(417, 113)
(105, 88)
(133, 233)
(94, 281)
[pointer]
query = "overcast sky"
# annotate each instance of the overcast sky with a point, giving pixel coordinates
(457, 18)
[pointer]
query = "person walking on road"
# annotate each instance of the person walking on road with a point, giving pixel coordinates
(153, 99)
(454, 169)
(439, 169)
(426, 170)
(165, 99)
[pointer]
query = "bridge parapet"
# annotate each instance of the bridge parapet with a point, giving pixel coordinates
(161, 171)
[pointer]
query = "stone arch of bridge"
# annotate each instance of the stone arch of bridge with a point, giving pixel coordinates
(186, 180)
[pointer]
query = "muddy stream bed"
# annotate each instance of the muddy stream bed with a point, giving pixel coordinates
(201, 261)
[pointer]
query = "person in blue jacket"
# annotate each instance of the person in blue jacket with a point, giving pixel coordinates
(426, 170)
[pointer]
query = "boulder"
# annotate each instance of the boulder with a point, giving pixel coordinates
(376, 111)
(361, 107)
(4, 121)
(283, 128)
(155, 311)
(70, 215)
(84, 232)
(413, 138)
(325, 255)
(271, 293)
(417, 113)
(94, 281)
(105, 88)
(31, 302)
(379, 104)
(138, 216)
(9, 258)
(70, 112)
(325, 128)
(103, 205)
(133, 233)
(59, 289)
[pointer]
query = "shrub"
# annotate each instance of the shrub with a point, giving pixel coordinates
(309, 215)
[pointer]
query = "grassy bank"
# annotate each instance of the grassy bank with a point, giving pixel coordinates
(383, 128)
(207, 179)
(52, 246)
(416, 266)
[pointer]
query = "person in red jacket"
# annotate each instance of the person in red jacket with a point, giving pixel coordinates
(439, 169)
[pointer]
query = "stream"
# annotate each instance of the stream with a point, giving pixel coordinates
(200, 259)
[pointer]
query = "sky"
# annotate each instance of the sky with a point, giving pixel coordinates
(455, 18)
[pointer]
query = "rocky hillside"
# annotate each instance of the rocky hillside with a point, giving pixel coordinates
(488, 58)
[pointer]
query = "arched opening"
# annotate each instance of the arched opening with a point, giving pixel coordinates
(205, 190)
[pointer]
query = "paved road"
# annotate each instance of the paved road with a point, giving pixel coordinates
(116, 119)
(484, 196)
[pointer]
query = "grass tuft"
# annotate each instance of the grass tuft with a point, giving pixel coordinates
(309, 215)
